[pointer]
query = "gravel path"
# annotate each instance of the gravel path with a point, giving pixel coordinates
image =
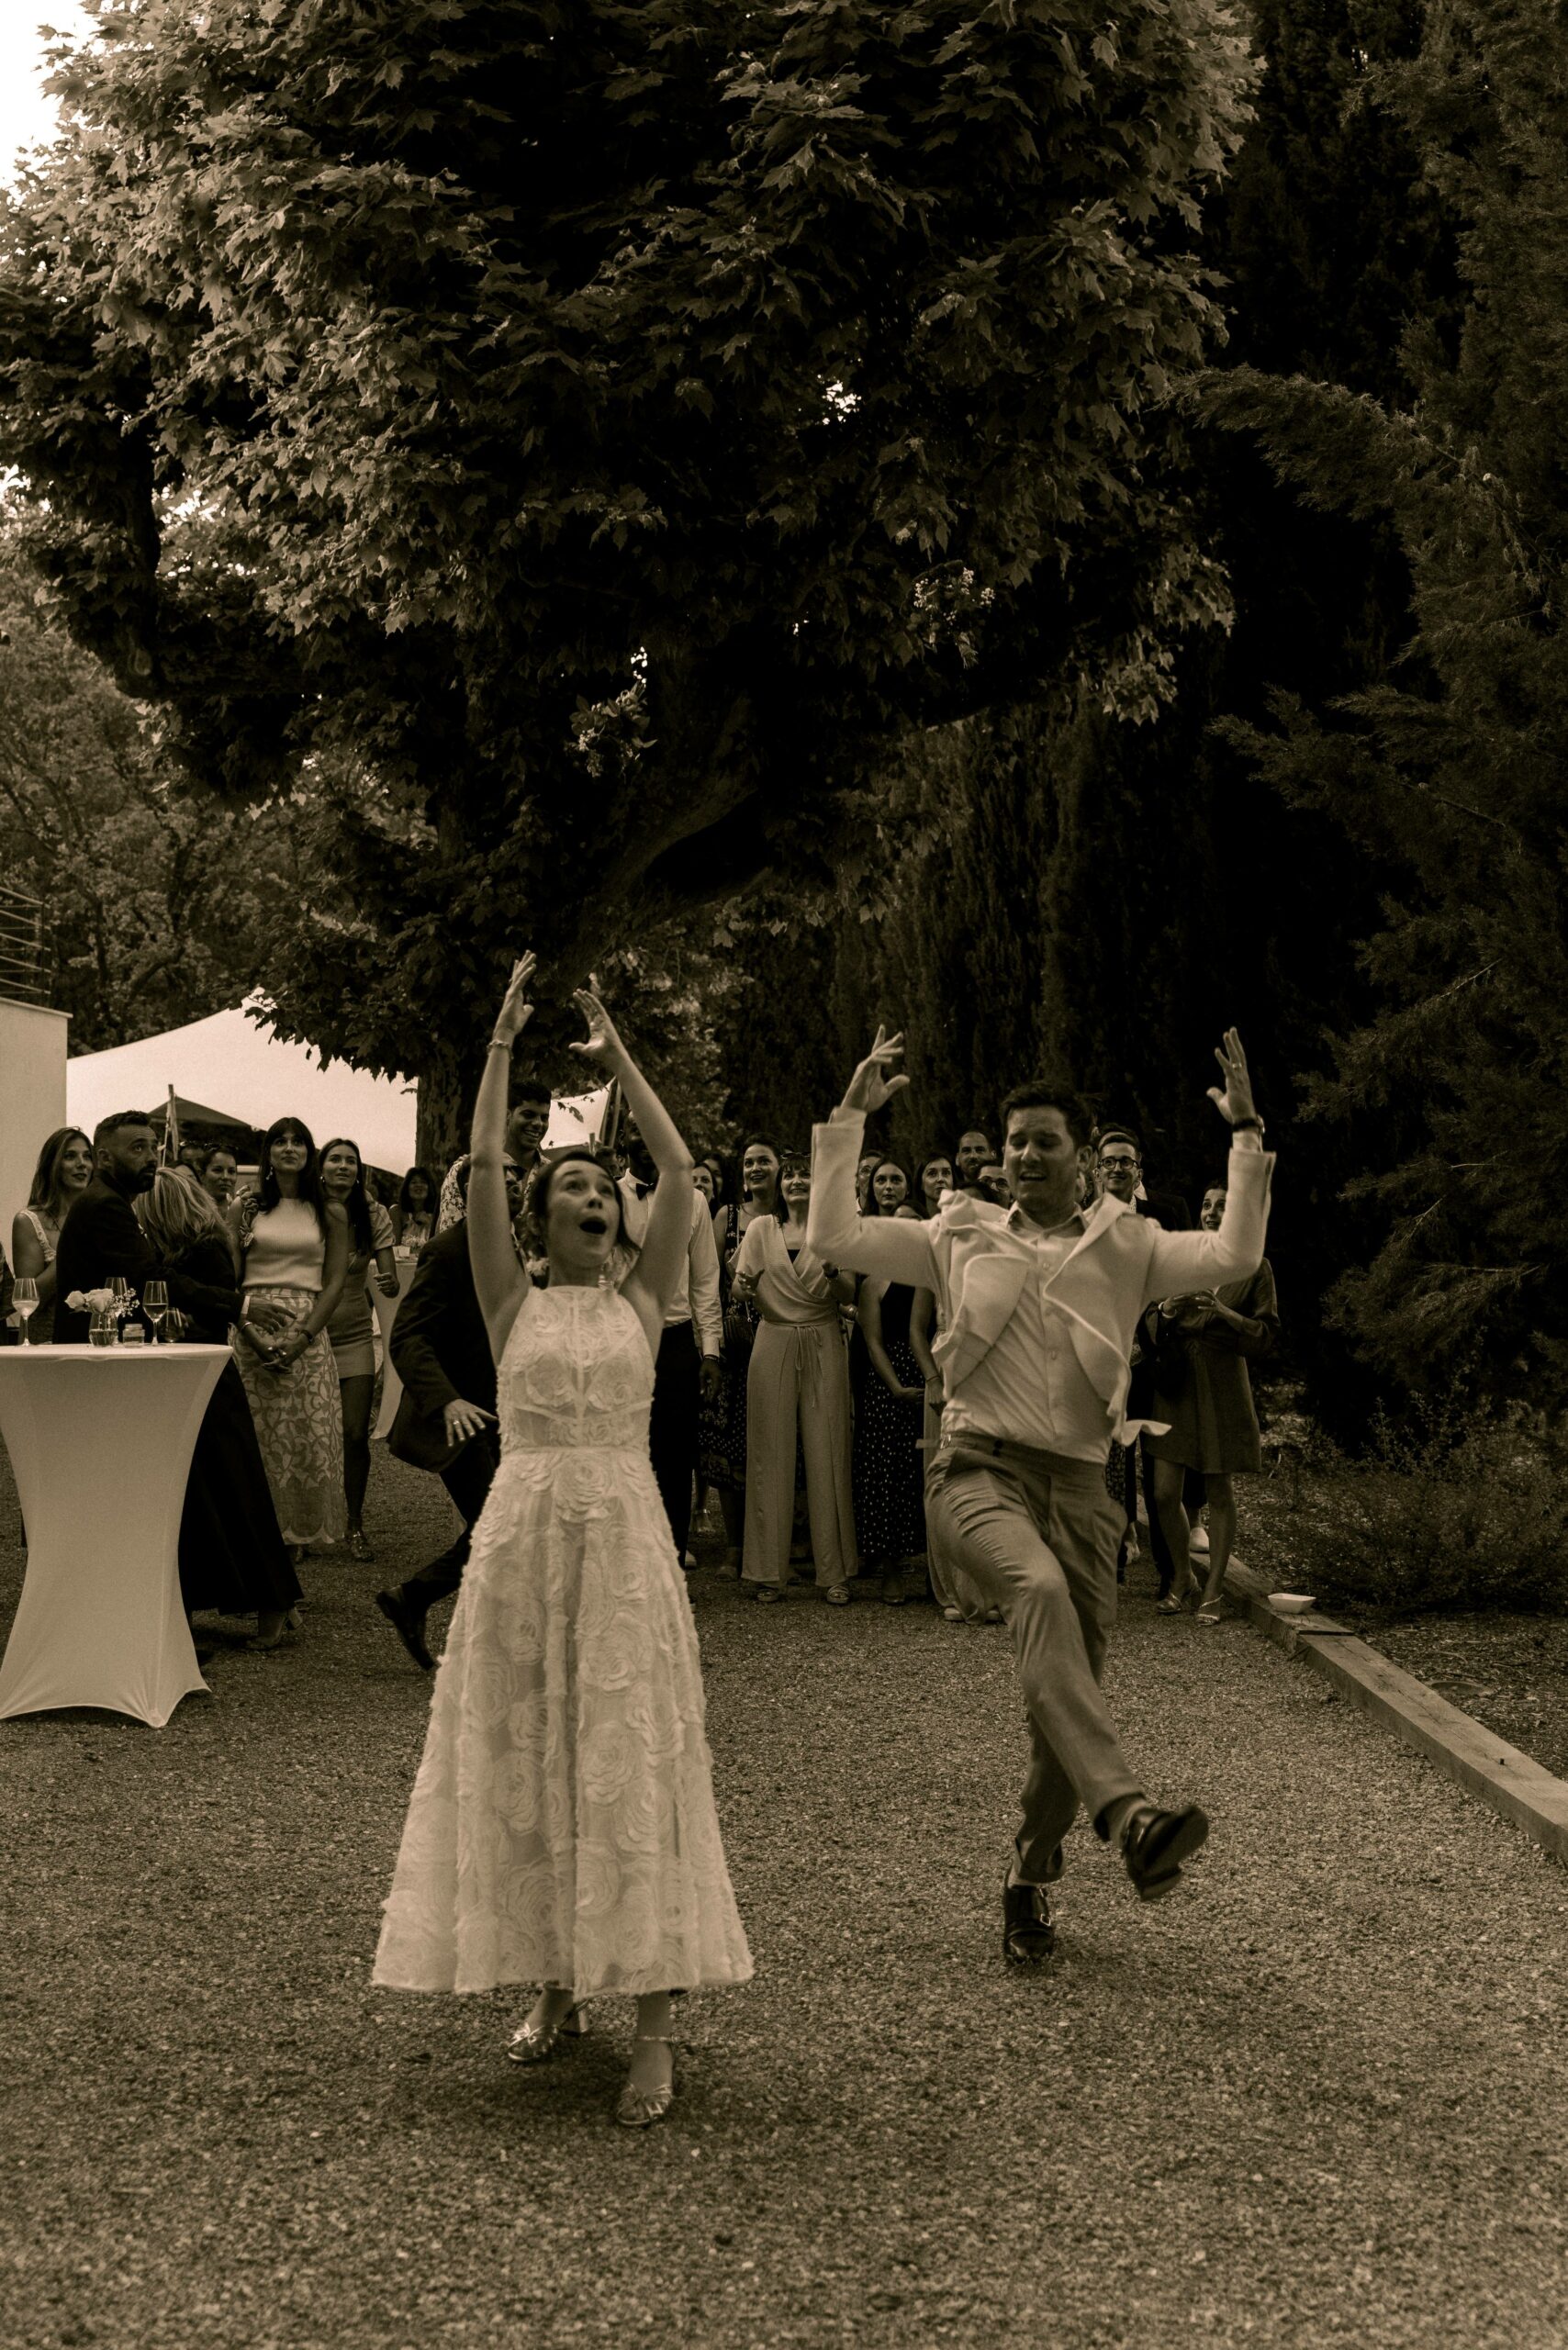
(1321, 2095)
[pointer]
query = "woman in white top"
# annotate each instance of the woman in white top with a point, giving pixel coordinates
(798, 1381)
(63, 1172)
(293, 1250)
(352, 1330)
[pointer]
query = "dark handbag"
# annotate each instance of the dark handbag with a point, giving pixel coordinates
(415, 1437)
(740, 1333)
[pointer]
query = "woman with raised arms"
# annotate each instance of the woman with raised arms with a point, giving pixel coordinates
(562, 1829)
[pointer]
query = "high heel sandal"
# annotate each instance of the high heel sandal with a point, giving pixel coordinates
(531, 2042)
(637, 2108)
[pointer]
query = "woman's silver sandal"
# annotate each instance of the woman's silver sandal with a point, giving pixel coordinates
(638, 2108)
(531, 2042)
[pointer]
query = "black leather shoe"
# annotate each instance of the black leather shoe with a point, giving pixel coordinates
(1156, 1844)
(409, 1623)
(1028, 1937)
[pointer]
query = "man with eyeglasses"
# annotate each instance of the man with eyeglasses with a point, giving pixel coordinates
(1119, 1162)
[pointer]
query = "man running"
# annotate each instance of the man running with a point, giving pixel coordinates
(1040, 1306)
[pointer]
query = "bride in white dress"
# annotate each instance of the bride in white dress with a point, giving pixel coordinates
(561, 1830)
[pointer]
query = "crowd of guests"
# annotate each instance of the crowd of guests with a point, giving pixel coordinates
(803, 1401)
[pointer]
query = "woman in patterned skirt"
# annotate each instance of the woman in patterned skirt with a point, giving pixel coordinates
(293, 1250)
(352, 1330)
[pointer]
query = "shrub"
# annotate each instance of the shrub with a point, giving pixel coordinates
(1444, 1513)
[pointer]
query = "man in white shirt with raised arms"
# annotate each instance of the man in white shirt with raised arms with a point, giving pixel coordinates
(1039, 1304)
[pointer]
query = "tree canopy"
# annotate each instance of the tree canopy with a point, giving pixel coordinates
(1447, 772)
(568, 443)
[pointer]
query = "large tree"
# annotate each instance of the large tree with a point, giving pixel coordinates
(158, 907)
(569, 442)
(1449, 772)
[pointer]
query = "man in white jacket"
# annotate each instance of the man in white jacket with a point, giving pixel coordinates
(1040, 1302)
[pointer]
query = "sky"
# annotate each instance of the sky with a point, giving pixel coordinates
(24, 113)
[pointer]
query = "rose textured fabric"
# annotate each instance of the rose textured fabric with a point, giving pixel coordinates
(563, 1830)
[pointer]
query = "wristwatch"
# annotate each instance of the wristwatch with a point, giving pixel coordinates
(1241, 1126)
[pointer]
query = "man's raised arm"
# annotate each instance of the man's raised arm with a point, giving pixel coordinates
(893, 1247)
(1182, 1263)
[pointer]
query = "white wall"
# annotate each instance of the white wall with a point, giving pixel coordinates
(32, 1097)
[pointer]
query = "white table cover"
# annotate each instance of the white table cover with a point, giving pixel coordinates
(100, 1439)
(386, 1307)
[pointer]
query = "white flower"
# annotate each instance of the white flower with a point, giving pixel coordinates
(76, 1302)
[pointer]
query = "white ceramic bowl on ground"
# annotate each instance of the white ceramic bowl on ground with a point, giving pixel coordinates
(1292, 1603)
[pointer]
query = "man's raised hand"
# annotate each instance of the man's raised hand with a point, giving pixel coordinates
(1234, 1099)
(871, 1086)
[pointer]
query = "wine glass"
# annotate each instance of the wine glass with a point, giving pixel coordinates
(155, 1305)
(25, 1299)
(119, 1290)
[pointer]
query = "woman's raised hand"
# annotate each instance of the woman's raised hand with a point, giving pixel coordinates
(515, 1013)
(1234, 1099)
(871, 1086)
(603, 1041)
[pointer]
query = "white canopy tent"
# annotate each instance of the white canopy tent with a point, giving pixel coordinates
(233, 1069)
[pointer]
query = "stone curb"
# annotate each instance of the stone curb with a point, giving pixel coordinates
(1461, 1748)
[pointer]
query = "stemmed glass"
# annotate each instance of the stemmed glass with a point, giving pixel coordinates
(155, 1304)
(25, 1298)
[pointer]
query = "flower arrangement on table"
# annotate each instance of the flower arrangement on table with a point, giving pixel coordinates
(101, 1303)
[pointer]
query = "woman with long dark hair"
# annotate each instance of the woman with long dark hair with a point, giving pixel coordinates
(63, 1172)
(889, 1410)
(220, 1177)
(233, 1554)
(294, 1250)
(352, 1330)
(413, 1218)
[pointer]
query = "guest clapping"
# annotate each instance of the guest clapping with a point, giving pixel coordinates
(352, 1330)
(799, 1386)
(294, 1249)
(63, 1172)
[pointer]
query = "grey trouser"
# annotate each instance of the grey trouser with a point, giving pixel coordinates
(1039, 1534)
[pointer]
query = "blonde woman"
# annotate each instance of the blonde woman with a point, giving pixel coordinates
(62, 1174)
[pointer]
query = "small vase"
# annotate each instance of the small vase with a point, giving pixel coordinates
(103, 1328)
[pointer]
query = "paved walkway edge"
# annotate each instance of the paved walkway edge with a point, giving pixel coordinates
(1461, 1748)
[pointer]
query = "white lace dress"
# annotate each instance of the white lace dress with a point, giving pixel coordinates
(561, 1830)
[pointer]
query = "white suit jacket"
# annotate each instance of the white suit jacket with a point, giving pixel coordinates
(977, 1265)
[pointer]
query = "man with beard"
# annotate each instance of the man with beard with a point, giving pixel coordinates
(101, 1237)
(969, 1161)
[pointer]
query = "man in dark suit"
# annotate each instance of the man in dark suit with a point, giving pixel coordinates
(441, 1350)
(1119, 1159)
(101, 1237)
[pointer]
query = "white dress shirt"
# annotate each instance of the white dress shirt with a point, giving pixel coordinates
(695, 1297)
(1030, 1387)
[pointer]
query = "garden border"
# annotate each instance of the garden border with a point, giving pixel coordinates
(1523, 1790)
